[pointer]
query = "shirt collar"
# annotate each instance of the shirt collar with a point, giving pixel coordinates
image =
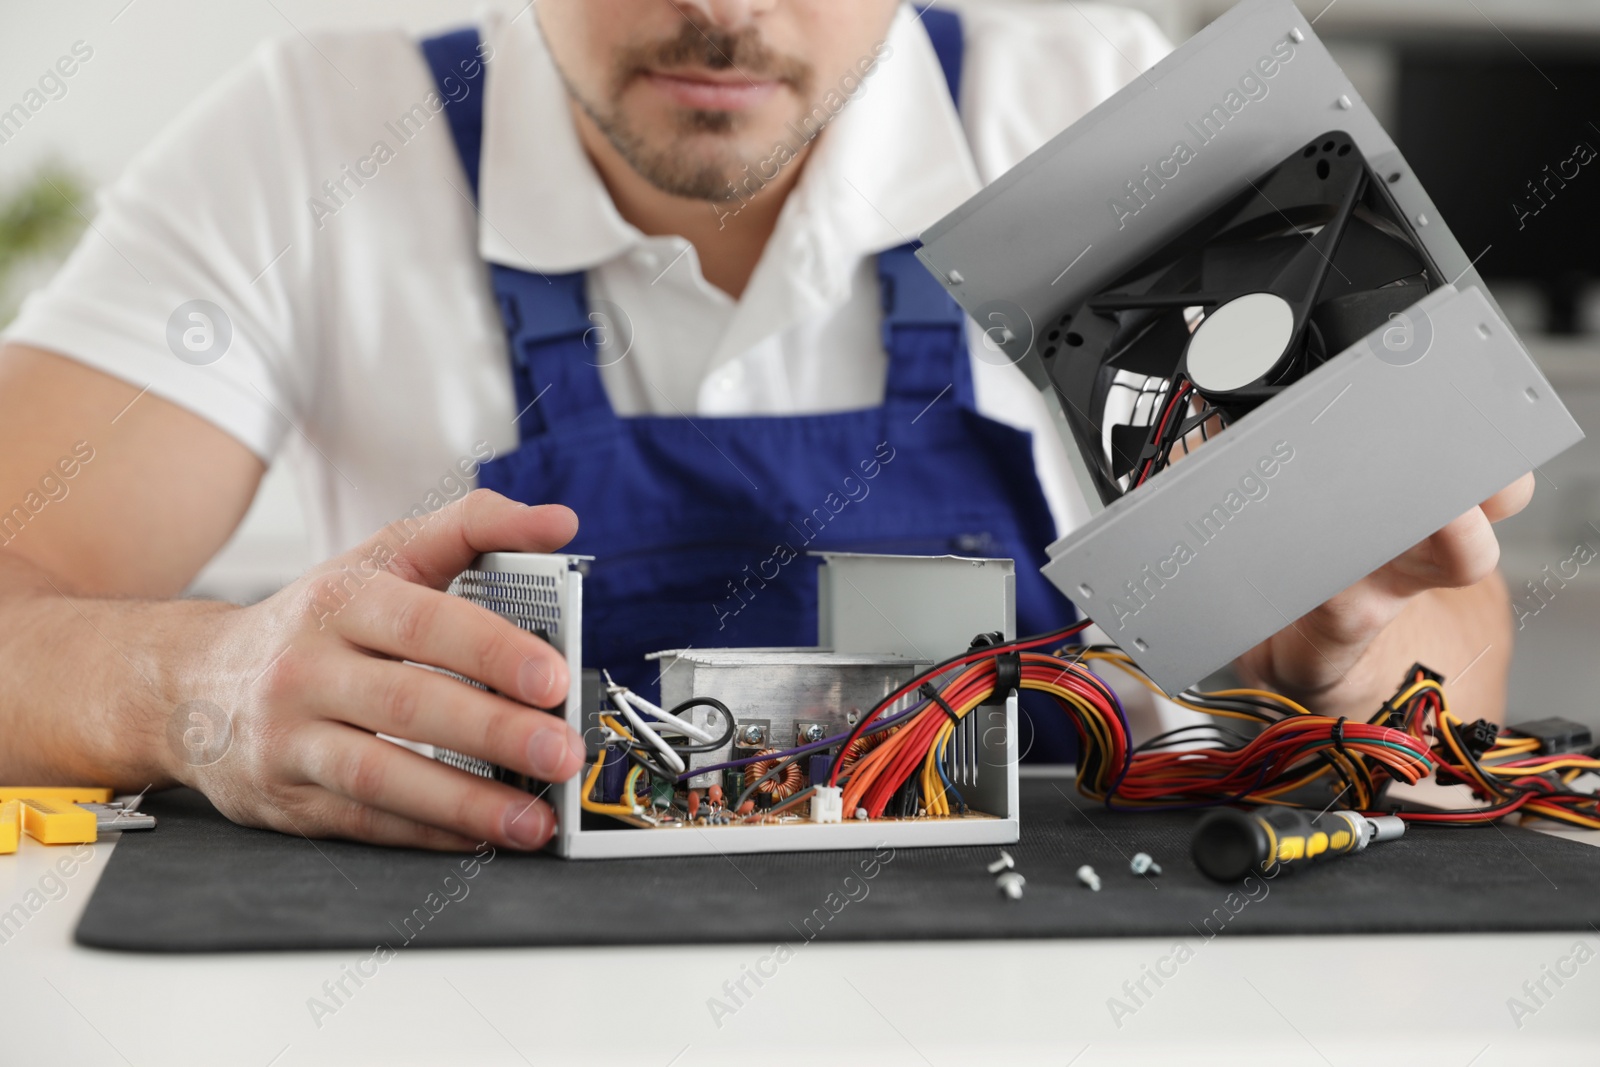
(892, 163)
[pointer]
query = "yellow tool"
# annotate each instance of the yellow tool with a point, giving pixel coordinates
(65, 793)
(10, 826)
(53, 822)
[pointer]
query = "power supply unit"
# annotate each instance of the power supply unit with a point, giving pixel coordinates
(1231, 250)
(882, 620)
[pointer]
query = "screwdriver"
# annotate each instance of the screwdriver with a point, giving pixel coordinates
(1229, 844)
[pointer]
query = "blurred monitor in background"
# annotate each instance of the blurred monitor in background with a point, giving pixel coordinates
(1507, 143)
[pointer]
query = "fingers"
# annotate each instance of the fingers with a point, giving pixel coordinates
(421, 705)
(1510, 500)
(1463, 553)
(412, 622)
(393, 780)
(320, 813)
(432, 549)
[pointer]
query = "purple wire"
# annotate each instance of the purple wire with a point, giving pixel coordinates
(881, 724)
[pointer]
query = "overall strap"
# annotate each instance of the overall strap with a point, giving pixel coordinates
(552, 335)
(924, 329)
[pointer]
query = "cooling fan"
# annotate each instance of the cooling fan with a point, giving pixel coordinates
(1201, 254)
(1308, 260)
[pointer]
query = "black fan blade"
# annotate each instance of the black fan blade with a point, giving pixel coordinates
(1127, 442)
(1246, 266)
(1156, 348)
(1344, 320)
(1368, 259)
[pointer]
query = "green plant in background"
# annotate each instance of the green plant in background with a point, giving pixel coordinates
(39, 220)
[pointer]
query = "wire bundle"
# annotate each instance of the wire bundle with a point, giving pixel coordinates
(1510, 775)
(1268, 750)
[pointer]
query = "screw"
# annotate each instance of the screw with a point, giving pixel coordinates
(811, 732)
(752, 735)
(1004, 863)
(1087, 876)
(1011, 883)
(1143, 864)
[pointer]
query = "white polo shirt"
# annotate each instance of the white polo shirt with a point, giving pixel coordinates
(366, 347)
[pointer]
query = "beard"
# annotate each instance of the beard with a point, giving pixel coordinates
(662, 160)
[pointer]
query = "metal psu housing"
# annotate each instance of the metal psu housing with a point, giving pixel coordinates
(1369, 453)
(880, 619)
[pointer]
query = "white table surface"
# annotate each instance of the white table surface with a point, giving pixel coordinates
(1416, 1000)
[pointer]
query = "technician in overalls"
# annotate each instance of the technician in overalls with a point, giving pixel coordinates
(643, 264)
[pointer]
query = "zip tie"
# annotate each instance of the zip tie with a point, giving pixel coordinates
(928, 692)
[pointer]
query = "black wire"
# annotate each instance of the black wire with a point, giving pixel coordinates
(636, 748)
(940, 668)
(1169, 738)
(707, 746)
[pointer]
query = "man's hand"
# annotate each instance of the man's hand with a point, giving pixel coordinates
(309, 677)
(1442, 603)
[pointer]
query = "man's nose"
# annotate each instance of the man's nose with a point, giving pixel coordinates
(727, 14)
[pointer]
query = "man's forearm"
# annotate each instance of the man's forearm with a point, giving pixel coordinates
(88, 686)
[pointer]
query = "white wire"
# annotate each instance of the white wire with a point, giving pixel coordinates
(705, 737)
(672, 758)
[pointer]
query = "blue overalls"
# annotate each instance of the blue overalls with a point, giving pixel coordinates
(700, 528)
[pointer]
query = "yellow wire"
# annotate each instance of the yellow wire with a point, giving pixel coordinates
(1127, 666)
(594, 776)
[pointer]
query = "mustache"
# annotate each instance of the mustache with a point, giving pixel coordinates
(718, 50)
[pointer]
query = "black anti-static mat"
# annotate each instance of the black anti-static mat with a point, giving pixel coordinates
(200, 884)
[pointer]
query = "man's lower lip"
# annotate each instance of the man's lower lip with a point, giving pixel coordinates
(712, 96)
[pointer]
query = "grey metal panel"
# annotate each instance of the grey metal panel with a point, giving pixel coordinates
(921, 607)
(1046, 235)
(1383, 455)
(807, 837)
(545, 593)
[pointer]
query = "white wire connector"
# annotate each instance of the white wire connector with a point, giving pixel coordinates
(1004, 863)
(827, 804)
(1010, 883)
(1087, 876)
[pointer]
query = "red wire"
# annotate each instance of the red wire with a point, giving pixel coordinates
(1172, 405)
(973, 656)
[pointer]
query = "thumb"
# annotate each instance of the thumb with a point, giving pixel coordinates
(432, 549)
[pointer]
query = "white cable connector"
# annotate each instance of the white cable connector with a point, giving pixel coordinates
(827, 804)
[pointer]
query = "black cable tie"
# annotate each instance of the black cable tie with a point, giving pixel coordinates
(1338, 736)
(928, 692)
(1007, 673)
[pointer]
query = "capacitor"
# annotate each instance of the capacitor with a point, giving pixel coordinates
(613, 775)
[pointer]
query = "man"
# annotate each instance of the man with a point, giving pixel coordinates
(695, 215)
